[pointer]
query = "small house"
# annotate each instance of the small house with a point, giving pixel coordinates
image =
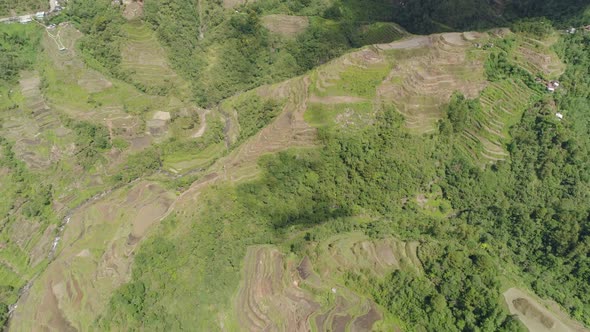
(571, 30)
(40, 15)
(552, 86)
(559, 116)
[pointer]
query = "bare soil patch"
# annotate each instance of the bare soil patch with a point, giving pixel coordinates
(150, 213)
(140, 143)
(455, 38)
(340, 322)
(285, 25)
(366, 321)
(159, 115)
(305, 268)
(133, 10)
(413, 42)
(51, 314)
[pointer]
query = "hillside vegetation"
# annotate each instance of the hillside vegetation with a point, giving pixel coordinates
(12, 8)
(295, 165)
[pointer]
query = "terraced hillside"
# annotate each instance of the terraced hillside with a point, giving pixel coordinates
(98, 248)
(204, 239)
(146, 61)
(436, 67)
(418, 76)
(280, 292)
(55, 103)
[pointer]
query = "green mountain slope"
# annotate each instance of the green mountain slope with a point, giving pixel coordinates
(240, 167)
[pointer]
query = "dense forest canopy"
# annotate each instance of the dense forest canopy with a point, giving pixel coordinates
(427, 16)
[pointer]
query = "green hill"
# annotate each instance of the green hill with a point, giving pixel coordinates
(298, 165)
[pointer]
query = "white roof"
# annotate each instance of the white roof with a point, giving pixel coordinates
(25, 18)
(559, 115)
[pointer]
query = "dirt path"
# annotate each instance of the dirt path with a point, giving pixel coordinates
(201, 131)
(414, 42)
(336, 100)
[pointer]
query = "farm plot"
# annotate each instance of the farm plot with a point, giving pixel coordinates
(503, 104)
(36, 130)
(285, 25)
(146, 59)
(539, 58)
(280, 292)
(378, 33)
(426, 73)
(536, 316)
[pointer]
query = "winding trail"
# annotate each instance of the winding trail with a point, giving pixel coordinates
(201, 131)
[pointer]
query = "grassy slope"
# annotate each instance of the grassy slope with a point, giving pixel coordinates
(9, 8)
(223, 223)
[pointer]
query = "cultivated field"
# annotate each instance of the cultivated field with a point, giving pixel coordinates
(287, 293)
(285, 25)
(277, 291)
(146, 60)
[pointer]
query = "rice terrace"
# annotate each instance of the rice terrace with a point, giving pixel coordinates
(300, 165)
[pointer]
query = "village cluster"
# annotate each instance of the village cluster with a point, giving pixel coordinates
(55, 6)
